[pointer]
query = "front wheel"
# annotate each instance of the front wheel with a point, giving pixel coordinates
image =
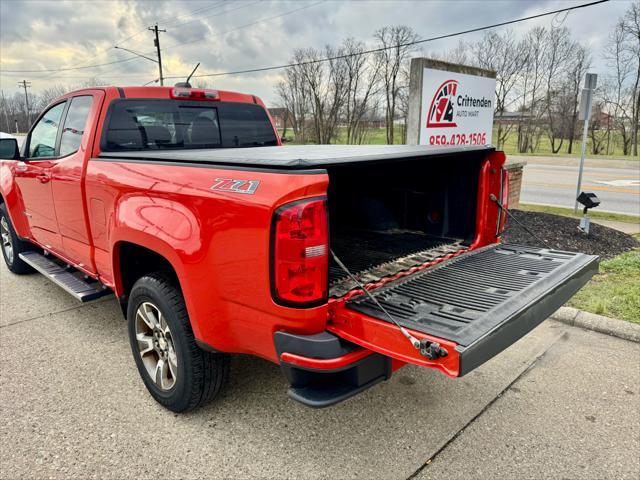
(12, 246)
(178, 374)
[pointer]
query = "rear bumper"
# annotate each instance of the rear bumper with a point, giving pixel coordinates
(474, 308)
(323, 369)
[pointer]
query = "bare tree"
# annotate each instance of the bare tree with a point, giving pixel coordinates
(560, 49)
(293, 95)
(531, 88)
(394, 40)
(326, 84)
(506, 56)
(598, 129)
(631, 28)
(50, 94)
(363, 78)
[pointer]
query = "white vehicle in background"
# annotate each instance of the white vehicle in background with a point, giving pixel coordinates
(19, 138)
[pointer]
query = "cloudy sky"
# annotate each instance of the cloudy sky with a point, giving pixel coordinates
(50, 42)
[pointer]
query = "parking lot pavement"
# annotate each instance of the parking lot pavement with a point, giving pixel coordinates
(575, 414)
(73, 406)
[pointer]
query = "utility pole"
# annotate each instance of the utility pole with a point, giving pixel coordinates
(156, 42)
(584, 112)
(24, 84)
(5, 108)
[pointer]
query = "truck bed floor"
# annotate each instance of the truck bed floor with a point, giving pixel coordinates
(363, 251)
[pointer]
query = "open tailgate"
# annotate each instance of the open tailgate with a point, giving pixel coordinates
(475, 305)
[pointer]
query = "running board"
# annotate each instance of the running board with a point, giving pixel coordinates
(65, 278)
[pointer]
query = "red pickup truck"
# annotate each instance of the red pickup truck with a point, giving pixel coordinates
(339, 263)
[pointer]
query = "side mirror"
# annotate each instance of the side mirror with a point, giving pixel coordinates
(9, 149)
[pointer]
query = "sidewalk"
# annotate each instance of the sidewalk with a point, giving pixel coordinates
(574, 414)
(626, 227)
(561, 402)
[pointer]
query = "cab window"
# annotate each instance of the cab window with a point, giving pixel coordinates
(42, 142)
(75, 124)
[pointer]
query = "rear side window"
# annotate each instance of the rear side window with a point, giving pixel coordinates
(75, 124)
(166, 124)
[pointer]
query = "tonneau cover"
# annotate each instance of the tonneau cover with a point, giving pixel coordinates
(295, 157)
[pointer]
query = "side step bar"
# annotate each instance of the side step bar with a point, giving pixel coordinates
(63, 277)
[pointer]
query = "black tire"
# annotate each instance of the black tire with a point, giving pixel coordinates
(200, 375)
(15, 264)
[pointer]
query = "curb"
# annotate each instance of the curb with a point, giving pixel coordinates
(598, 323)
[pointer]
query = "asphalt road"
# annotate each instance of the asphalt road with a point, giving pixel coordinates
(617, 184)
(560, 403)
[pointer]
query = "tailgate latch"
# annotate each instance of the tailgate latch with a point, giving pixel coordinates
(432, 350)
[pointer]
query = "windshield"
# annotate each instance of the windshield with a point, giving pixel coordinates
(164, 124)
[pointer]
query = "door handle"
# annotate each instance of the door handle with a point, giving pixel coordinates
(43, 178)
(21, 167)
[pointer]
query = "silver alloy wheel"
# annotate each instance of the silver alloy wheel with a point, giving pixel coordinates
(7, 242)
(155, 344)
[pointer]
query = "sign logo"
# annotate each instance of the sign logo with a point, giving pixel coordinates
(441, 108)
(232, 185)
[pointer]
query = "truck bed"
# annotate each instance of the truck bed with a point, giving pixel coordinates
(294, 157)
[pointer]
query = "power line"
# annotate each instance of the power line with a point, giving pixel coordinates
(217, 14)
(290, 12)
(375, 50)
(172, 20)
(70, 68)
(84, 67)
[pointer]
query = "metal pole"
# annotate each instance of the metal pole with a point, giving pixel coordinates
(590, 81)
(156, 42)
(24, 84)
(585, 132)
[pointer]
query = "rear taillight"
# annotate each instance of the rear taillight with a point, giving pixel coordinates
(300, 249)
(504, 200)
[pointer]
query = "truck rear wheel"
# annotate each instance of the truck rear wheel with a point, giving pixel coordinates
(177, 373)
(12, 246)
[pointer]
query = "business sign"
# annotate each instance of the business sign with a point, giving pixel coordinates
(455, 108)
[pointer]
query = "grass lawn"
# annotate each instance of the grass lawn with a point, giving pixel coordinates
(615, 291)
(544, 149)
(568, 212)
(378, 136)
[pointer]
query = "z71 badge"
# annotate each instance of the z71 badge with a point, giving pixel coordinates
(236, 186)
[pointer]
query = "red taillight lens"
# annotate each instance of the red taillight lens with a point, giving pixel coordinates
(300, 253)
(504, 199)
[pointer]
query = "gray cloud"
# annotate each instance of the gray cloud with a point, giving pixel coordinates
(53, 34)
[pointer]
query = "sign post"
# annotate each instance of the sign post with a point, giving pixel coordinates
(584, 112)
(449, 104)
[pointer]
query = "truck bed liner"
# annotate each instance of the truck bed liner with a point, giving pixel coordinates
(468, 298)
(373, 255)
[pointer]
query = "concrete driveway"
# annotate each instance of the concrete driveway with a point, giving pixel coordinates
(561, 403)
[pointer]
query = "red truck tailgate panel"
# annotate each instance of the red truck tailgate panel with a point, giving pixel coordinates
(485, 300)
